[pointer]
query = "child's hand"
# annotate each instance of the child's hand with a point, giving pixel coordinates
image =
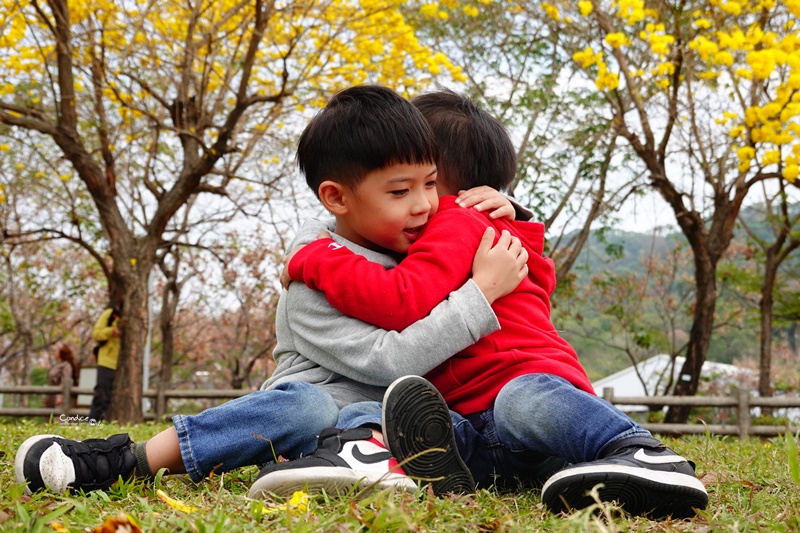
(284, 277)
(498, 270)
(485, 198)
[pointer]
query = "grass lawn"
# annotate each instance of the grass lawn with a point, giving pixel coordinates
(753, 486)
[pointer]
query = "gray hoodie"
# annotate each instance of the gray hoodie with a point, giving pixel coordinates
(355, 361)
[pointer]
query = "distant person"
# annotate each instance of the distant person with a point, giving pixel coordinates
(106, 333)
(65, 369)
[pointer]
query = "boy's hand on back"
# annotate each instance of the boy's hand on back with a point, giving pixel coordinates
(485, 198)
(284, 277)
(499, 269)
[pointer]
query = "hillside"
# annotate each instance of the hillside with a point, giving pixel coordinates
(597, 335)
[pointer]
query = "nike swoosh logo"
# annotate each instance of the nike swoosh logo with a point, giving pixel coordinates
(371, 458)
(657, 459)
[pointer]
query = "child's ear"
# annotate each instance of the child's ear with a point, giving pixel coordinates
(331, 194)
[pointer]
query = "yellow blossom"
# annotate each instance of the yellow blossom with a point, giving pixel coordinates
(551, 11)
(762, 62)
(731, 7)
(586, 8)
(587, 57)
(606, 80)
(791, 172)
(4, 148)
(471, 11)
(429, 10)
(736, 131)
(771, 157)
(745, 153)
(615, 40)
(723, 58)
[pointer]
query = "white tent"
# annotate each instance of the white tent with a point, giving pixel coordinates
(653, 378)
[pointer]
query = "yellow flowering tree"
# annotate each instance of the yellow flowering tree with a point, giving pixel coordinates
(565, 147)
(705, 93)
(150, 105)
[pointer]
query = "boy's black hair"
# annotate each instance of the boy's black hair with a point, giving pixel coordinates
(474, 147)
(362, 129)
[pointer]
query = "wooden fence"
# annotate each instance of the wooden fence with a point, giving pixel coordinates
(743, 403)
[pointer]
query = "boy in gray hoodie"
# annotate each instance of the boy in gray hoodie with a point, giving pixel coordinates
(382, 150)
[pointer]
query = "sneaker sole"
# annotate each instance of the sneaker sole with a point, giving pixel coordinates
(415, 420)
(333, 480)
(19, 459)
(637, 490)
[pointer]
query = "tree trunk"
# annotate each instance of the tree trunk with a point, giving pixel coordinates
(699, 336)
(765, 306)
(169, 305)
(708, 240)
(126, 403)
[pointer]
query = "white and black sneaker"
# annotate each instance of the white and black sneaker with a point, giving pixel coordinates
(58, 464)
(345, 461)
(639, 473)
(418, 431)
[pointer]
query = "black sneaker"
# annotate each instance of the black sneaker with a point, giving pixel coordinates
(345, 461)
(57, 464)
(642, 475)
(418, 431)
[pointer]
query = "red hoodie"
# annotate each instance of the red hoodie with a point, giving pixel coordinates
(439, 262)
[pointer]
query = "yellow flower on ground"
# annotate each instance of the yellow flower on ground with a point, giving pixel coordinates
(172, 502)
(298, 503)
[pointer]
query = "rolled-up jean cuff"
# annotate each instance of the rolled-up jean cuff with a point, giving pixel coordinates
(192, 468)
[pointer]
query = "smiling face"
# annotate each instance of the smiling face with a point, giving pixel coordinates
(387, 210)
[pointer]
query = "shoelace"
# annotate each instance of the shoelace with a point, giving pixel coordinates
(85, 458)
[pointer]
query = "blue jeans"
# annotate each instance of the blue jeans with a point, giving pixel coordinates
(255, 429)
(539, 423)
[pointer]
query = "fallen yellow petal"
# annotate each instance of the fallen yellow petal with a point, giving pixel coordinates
(122, 523)
(175, 504)
(58, 526)
(298, 503)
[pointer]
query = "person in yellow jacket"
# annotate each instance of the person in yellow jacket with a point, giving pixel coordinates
(106, 333)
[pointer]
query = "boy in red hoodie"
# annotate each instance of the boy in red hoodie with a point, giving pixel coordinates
(522, 388)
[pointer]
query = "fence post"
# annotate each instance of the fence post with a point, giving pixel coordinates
(66, 396)
(608, 394)
(161, 403)
(745, 420)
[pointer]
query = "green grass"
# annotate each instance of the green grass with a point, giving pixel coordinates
(751, 485)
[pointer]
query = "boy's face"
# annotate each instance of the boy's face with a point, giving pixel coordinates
(387, 210)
